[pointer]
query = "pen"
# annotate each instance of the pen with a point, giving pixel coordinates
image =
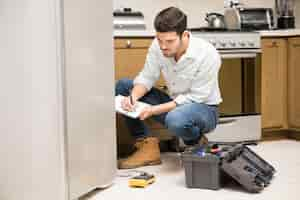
(130, 97)
(131, 101)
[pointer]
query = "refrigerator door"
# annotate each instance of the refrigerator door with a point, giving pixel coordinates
(89, 92)
(31, 146)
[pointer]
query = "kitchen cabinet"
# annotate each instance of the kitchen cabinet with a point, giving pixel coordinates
(273, 83)
(294, 83)
(130, 55)
(280, 83)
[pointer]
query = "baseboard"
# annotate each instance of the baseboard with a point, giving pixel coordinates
(294, 135)
(275, 135)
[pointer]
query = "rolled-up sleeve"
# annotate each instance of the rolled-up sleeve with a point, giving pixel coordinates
(204, 81)
(151, 71)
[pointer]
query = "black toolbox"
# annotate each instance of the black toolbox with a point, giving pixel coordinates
(202, 171)
(209, 170)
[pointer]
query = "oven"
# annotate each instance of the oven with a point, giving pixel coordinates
(239, 81)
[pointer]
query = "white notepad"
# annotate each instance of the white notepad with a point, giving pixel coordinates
(138, 107)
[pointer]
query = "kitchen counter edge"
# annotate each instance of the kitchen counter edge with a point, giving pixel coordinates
(151, 33)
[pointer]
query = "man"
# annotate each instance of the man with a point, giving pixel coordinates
(190, 68)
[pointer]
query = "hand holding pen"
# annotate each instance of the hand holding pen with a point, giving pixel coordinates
(128, 103)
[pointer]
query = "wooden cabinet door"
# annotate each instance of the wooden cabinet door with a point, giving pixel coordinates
(130, 55)
(294, 83)
(274, 83)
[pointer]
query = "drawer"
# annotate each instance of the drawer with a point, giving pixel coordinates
(269, 43)
(132, 43)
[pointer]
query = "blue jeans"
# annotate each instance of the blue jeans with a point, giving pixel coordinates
(187, 121)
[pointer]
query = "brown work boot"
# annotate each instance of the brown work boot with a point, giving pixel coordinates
(138, 143)
(147, 153)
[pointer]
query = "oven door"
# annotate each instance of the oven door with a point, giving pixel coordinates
(240, 119)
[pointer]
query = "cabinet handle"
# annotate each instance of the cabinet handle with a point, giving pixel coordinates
(296, 45)
(128, 44)
(274, 44)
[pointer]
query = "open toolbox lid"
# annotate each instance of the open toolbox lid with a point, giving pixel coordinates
(247, 168)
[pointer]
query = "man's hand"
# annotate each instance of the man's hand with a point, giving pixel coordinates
(128, 104)
(146, 113)
(157, 109)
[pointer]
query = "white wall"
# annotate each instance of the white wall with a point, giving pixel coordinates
(195, 9)
(297, 13)
(30, 100)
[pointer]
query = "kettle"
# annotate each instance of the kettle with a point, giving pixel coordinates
(215, 20)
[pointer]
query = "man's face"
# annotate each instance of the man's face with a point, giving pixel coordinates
(169, 43)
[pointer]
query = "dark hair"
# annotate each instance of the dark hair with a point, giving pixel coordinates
(169, 20)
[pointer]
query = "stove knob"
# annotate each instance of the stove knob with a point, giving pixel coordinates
(242, 44)
(250, 43)
(232, 43)
(223, 44)
(213, 42)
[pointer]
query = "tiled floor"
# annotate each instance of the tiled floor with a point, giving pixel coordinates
(284, 155)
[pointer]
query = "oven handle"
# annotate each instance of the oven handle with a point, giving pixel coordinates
(239, 53)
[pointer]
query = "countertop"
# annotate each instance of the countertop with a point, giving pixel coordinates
(134, 33)
(151, 33)
(280, 33)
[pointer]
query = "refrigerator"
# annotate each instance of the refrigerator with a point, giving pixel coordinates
(57, 114)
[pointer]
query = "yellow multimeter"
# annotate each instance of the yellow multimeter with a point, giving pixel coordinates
(141, 180)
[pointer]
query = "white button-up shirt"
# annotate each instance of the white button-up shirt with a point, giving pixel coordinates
(194, 78)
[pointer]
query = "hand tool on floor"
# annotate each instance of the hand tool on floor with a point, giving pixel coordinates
(142, 180)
